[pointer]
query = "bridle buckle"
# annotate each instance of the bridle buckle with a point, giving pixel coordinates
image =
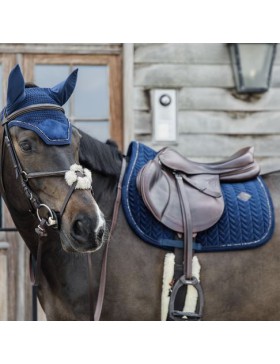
(51, 221)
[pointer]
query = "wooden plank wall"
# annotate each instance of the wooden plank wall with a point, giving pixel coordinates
(3, 281)
(213, 120)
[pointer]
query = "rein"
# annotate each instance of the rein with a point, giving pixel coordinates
(95, 315)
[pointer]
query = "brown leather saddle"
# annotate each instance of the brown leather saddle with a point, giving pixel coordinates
(186, 196)
(156, 183)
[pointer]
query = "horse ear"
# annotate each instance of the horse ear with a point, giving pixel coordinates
(16, 87)
(63, 90)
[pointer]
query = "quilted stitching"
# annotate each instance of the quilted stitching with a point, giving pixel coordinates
(244, 224)
(51, 125)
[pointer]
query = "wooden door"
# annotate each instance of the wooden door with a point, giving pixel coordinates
(95, 107)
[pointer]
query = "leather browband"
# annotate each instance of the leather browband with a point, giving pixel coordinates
(31, 108)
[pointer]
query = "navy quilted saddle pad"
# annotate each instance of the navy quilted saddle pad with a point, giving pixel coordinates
(247, 220)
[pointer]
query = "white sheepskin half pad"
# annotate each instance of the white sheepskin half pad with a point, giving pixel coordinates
(168, 271)
(191, 295)
(84, 182)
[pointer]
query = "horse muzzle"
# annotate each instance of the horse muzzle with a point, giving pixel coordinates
(85, 234)
(85, 229)
(82, 223)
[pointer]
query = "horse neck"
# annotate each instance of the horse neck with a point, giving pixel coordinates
(104, 161)
(101, 158)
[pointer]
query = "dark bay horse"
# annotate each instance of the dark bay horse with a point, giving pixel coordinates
(240, 285)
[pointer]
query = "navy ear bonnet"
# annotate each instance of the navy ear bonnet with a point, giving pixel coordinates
(51, 125)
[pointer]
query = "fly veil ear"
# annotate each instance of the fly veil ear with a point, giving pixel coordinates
(61, 92)
(40, 109)
(16, 89)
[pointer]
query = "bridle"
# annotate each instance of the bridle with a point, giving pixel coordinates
(35, 205)
(53, 217)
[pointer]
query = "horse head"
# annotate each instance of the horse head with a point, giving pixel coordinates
(42, 147)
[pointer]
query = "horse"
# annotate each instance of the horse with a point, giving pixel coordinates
(239, 285)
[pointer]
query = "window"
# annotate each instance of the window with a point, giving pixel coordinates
(88, 107)
(95, 106)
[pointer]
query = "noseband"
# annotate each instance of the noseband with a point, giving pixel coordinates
(76, 177)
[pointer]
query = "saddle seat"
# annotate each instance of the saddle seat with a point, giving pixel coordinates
(239, 166)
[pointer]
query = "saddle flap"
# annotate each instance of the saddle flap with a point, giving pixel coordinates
(154, 188)
(159, 192)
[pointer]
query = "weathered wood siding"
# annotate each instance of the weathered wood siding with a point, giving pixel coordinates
(213, 120)
(3, 281)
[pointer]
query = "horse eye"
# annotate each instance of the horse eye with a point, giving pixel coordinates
(25, 146)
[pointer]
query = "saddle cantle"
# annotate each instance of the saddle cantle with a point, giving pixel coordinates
(157, 185)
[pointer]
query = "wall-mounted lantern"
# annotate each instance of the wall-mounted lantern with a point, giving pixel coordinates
(252, 65)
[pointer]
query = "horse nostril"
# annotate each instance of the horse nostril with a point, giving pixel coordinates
(86, 230)
(78, 228)
(100, 233)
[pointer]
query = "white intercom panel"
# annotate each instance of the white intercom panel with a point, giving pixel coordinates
(164, 111)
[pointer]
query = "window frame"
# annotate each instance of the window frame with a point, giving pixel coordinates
(115, 81)
(7, 61)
